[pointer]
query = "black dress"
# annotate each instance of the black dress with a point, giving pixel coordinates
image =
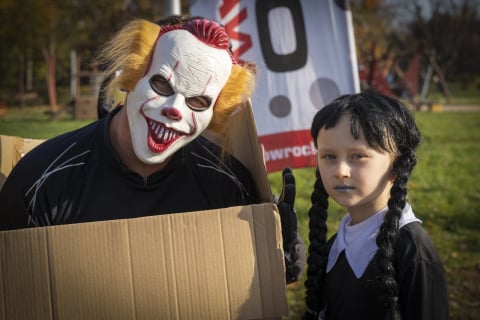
(419, 275)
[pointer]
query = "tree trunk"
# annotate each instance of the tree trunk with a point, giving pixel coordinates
(441, 77)
(21, 82)
(50, 59)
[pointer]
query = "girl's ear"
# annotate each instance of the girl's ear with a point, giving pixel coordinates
(393, 176)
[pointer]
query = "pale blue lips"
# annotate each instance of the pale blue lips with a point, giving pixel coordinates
(344, 188)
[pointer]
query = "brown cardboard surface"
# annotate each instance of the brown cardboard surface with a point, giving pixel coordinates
(216, 264)
(249, 150)
(11, 150)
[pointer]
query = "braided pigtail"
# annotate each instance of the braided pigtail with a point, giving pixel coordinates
(318, 251)
(318, 214)
(403, 138)
(386, 240)
(388, 234)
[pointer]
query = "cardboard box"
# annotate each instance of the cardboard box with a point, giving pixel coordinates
(11, 150)
(219, 264)
(215, 264)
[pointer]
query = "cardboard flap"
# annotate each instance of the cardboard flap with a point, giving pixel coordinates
(246, 147)
(11, 150)
(215, 264)
(25, 275)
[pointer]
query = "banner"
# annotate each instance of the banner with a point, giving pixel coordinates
(305, 55)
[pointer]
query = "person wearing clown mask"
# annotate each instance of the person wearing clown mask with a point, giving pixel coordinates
(149, 157)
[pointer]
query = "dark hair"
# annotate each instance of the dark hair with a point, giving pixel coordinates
(175, 19)
(387, 125)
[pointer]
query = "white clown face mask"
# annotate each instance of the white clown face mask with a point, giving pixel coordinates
(173, 103)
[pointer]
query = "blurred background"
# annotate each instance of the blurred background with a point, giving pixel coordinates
(424, 50)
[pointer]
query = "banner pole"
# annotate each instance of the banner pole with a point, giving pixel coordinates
(173, 7)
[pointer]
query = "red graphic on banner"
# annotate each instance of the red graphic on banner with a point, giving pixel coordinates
(294, 149)
(244, 39)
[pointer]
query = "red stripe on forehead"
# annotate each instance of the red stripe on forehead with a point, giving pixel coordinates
(207, 31)
(174, 68)
(206, 85)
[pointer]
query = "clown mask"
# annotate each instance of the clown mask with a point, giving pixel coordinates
(173, 103)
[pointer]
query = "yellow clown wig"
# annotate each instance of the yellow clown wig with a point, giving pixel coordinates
(131, 52)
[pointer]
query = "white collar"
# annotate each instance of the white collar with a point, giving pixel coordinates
(358, 240)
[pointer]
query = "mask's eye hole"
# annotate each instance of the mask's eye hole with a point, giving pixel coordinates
(161, 86)
(199, 103)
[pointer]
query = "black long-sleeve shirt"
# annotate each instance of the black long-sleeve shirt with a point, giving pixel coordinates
(78, 177)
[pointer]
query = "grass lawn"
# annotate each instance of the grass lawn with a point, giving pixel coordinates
(444, 192)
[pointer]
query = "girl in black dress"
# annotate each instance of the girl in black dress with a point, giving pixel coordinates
(381, 263)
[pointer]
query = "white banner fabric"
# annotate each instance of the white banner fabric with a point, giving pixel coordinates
(305, 54)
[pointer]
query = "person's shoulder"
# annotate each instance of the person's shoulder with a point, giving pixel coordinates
(62, 144)
(415, 244)
(203, 144)
(207, 162)
(86, 132)
(203, 150)
(413, 232)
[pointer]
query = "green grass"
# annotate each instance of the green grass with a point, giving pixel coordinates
(444, 192)
(35, 123)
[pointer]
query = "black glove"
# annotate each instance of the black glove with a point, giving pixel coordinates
(288, 217)
(286, 206)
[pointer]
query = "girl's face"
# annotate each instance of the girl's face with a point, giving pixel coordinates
(353, 174)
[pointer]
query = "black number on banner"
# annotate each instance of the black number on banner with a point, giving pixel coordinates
(282, 62)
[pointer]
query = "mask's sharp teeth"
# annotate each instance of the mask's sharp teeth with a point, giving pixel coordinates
(162, 133)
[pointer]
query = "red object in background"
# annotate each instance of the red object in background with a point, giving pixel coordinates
(412, 76)
(3, 109)
(374, 77)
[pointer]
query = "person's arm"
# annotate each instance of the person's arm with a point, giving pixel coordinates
(293, 245)
(14, 214)
(421, 280)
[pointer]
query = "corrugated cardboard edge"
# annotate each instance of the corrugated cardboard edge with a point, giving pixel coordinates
(158, 267)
